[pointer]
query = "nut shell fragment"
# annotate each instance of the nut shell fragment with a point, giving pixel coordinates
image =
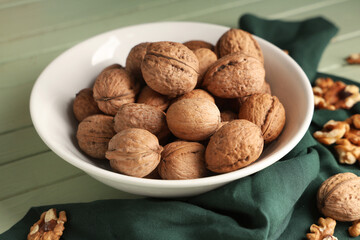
(134, 152)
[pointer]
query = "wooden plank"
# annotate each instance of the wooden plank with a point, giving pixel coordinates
(34, 172)
(81, 188)
(18, 144)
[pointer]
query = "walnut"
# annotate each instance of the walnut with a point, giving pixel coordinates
(170, 68)
(84, 104)
(49, 226)
(332, 131)
(353, 135)
(114, 88)
(235, 75)
(227, 116)
(135, 152)
(354, 230)
(266, 88)
(353, 58)
(348, 153)
(134, 59)
(193, 119)
(206, 58)
(338, 197)
(196, 93)
(267, 112)
(94, 134)
(235, 145)
(196, 44)
(324, 231)
(237, 40)
(152, 98)
(139, 115)
(183, 160)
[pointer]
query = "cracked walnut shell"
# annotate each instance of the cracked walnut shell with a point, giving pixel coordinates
(183, 160)
(339, 197)
(193, 119)
(235, 75)
(237, 40)
(94, 134)
(267, 112)
(114, 88)
(170, 68)
(135, 152)
(235, 145)
(84, 104)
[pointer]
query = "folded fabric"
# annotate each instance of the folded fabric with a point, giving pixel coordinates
(278, 202)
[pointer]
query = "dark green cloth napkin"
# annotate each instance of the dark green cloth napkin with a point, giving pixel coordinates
(278, 202)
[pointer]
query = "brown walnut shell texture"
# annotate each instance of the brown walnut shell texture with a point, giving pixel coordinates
(206, 58)
(235, 75)
(196, 44)
(193, 119)
(170, 68)
(237, 40)
(134, 152)
(235, 145)
(84, 104)
(114, 88)
(138, 115)
(267, 112)
(227, 116)
(152, 98)
(183, 160)
(339, 197)
(196, 93)
(134, 60)
(94, 134)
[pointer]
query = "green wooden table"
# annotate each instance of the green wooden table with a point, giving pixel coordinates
(34, 32)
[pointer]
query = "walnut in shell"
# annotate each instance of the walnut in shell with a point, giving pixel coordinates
(183, 160)
(339, 197)
(152, 98)
(94, 134)
(84, 104)
(114, 88)
(193, 119)
(235, 75)
(227, 116)
(237, 40)
(139, 115)
(134, 59)
(135, 152)
(196, 93)
(267, 112)
(235, 145)
(196, 44)
(206, 58)
(170, 68)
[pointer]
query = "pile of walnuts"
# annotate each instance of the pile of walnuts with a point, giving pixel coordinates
(181, 110)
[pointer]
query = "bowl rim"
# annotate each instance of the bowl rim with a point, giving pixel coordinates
(161, 183)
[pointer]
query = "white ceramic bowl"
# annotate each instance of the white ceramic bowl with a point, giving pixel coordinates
(77, 68)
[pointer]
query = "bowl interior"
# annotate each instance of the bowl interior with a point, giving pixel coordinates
(77, 68)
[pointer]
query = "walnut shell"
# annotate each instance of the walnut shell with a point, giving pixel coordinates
(339, 197)
(182, 160)
(170, 68)
(196, 93)
(193, 119)
(235, 145)
(206, 58)
(114, 88)
(94, 133)
(134, 152)
(152, 98)
(235, 75)
(267, 112)
(139, 115)
(227, 116)
(134, 60)
(84, 104)
(237, 40)
(196, 44)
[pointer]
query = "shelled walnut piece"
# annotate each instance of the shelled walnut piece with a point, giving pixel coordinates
(354, 230)
(49, 227)
(332, 131)
(323, 231)
(353, 58)
(334, 95)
